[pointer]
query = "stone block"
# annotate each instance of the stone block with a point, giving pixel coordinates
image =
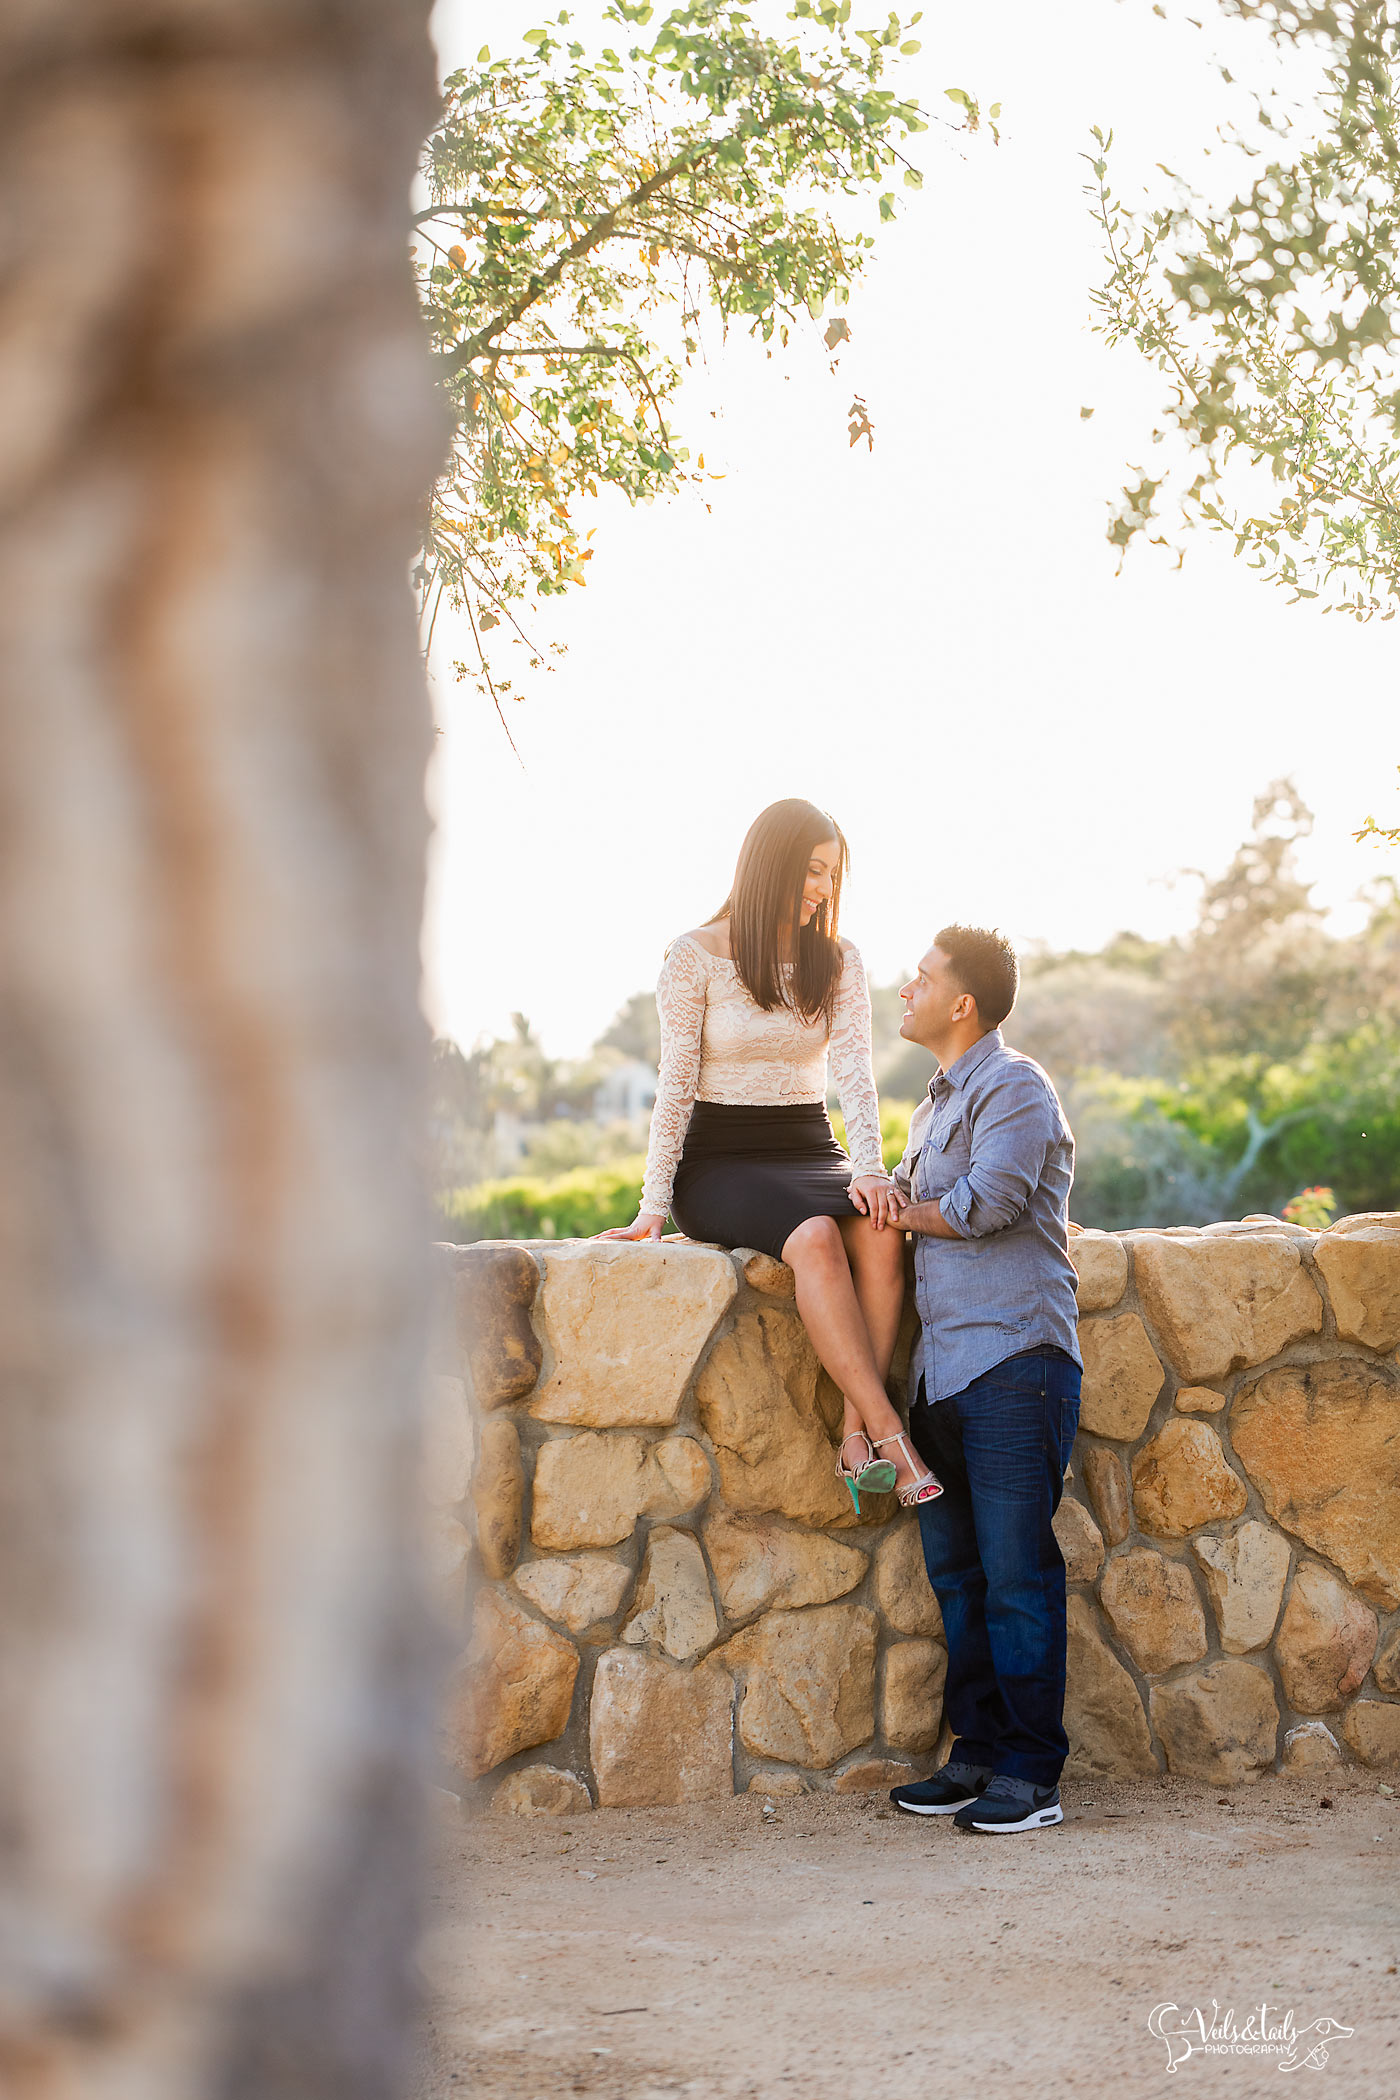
(1387, 1665)
(1199, 1400)
(1108, 1733)
(591, 1488)
(1101, 1265)
(902, 1588)
(578, 1590)
(774, 1278)
(673, 1608)
(762, 1565)
(911, 1694)
(1219, 1305)
(1326, 1642)
(1311, 1747)
(1181, 1480)
(767, 1407)
(660, 1734)
(1360, 1263)
(808, 1683)
(626, 1324)
(783, 1786)
(1322, 1445)
(498, 1494)
(1245, 1574)
(541, 1790)
(494, 1287)
(1221, 1724)
(1155, 1610)
(515, 1690)
(1372, 1728)
(1106, 1478)
(449, 1442)
(1080, 1540)
(1122, 1377)
(876, 1775)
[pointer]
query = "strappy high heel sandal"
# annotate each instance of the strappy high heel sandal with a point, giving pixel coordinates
(926, 1488)
(877, 1476)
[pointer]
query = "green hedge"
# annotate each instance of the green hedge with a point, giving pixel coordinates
(895, 1118)
(531, 1207)
(587, 1200)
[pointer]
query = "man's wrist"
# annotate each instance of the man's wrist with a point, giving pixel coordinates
(928, 1219)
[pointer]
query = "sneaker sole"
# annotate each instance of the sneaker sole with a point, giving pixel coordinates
(941, 1808)
(1038, 1819)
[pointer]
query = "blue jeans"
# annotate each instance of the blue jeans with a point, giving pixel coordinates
(1000, 1448)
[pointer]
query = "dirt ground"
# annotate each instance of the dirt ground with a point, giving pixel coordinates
(834, 1950)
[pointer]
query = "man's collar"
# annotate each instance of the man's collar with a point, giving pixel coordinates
(962, 1068)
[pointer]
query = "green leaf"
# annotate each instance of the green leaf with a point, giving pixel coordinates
(536, 36)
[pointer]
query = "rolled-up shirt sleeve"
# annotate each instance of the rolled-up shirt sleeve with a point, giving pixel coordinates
(1010, 1133)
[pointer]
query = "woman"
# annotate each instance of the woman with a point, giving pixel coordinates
(741, 1149)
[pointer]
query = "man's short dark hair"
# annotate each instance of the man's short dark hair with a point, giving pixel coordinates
(984, 963)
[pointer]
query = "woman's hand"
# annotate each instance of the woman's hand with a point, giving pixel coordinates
(643, 1227)
(878, 1198)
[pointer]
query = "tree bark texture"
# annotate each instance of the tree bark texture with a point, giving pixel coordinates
(217, 425)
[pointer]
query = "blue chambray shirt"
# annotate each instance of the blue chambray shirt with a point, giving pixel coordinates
(990, 1144)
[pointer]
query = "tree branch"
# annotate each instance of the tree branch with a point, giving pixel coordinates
(601, 230)
(590, 350)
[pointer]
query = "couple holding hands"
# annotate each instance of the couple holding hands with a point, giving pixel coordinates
(752, 1006)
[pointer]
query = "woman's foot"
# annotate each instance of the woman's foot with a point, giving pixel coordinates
(858, 1466)
(914, 1483)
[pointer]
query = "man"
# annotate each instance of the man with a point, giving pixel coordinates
(995, 1383)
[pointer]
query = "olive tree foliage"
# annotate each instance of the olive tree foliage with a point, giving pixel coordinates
(1274, 322)
(589, 204)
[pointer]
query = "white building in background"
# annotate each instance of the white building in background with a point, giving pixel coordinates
(508, 1135)
(627, 1094)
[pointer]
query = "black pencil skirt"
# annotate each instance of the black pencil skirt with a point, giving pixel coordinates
(749, 1176)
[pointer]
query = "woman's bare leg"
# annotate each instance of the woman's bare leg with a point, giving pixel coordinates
(832, 1313)
(877, 1270)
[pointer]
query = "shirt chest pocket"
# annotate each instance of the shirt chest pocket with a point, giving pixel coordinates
(947, 1150)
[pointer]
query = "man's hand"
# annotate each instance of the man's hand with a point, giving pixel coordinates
(878, 1199)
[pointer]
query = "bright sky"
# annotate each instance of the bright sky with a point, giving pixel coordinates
(929, 640)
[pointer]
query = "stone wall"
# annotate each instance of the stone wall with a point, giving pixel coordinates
(630, 1473)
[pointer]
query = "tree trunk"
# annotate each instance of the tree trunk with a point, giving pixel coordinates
(216, 427)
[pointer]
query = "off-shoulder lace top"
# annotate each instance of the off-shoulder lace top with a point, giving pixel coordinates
(717, 1044)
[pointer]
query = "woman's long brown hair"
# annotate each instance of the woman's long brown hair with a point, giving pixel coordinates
(764, 910)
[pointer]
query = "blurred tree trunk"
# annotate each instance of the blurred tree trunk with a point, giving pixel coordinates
(216, 427)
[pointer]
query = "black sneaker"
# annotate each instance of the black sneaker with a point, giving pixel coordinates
(1012, 1804)
(955, 1786)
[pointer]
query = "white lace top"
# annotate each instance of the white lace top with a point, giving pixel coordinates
(717, 1044)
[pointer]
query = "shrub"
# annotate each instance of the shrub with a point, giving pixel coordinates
(1314, 1208)
(531, 1207)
